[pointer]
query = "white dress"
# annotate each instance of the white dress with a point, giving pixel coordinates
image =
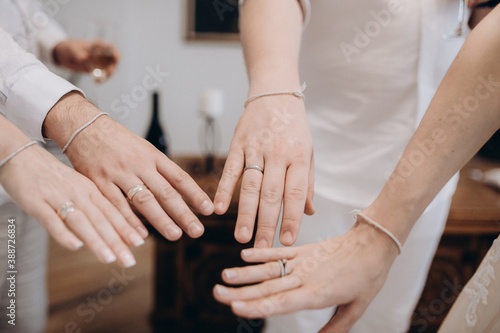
(371, 67)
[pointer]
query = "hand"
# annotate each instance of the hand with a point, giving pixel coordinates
(40, 184)
(347, 271)
(272, 133)
(116, 160)
(75, 54)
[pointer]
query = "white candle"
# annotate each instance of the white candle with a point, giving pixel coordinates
(211, 103)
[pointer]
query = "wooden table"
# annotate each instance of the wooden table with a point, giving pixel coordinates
(473, 223)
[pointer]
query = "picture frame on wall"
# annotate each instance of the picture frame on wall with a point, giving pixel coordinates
(212, 20)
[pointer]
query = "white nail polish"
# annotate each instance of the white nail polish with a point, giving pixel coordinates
(127, 260)
(136, 240)
(108, 256)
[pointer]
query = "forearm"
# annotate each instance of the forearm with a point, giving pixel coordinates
(464, 113)
(270, 35)
(11, 137)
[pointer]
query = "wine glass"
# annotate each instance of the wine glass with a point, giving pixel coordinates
(459, 31)
(101, 53)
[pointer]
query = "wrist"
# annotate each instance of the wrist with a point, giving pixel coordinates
(373, 240)
(66, 116)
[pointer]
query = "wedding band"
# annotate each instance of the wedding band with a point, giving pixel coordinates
(282, 263)
(65, 209)
(136, 189)
(255, 167)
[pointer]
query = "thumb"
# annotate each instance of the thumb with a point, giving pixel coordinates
(343, 319)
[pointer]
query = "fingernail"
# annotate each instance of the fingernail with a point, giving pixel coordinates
(142, 231)
(287, 237)
(238, 304)
(221, 290)
(195, 229)
(247, 253)
(107, 256)
(219, 206)
(136, 240)
(243, 232)
(229, 274)
(77, 245)
(173, 231)
(127, 259)
(207, 207)
(262, 243)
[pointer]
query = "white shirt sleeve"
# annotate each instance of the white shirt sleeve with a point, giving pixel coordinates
(28, 90)
(304, 4)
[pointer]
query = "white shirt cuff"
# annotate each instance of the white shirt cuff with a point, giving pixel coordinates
(32, 97)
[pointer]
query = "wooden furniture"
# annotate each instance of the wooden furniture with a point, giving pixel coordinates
(187, 270)
(473, 223)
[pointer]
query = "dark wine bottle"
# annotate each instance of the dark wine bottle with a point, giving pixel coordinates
(156, 135)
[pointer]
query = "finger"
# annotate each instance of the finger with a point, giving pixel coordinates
(49, 219)
(175, 206)
(345, 317)
(270, 287)
(108, 234)
(186, 186)
(127, 233)
(271, 197)
(309, 209)
(255, 273)
(233, 169)
(117, 199)
(249, 204)
(286, 302)
(145, 202)
(293, 203)
(80, 225)
(269, 254)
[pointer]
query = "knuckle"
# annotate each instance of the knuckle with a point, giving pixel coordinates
(168, 193)
(180, 177)
(143, 197)
(251, 187)
(271, 196)
(231, 171)
(296, 194)
(185, 216)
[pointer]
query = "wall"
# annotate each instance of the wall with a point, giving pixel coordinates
(150, 34)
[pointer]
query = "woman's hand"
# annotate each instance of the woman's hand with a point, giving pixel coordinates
(273, 134)
(40, 185)
(347, 271)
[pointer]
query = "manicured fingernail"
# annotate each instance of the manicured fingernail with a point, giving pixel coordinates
(238, 304)
(207, 207)
(77, 245)
(195, 229)
(136, 240)
(142, 231)
(287, 237)
(127, 259)
(247, 253)
(107, 256)
(262, 243)
(219, 205)
(221, 290)
(173, 231)
(229, 273)
(243, 232)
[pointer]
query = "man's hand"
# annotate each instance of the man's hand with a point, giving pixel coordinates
(116, 160)
(273, 134)
(76, 55)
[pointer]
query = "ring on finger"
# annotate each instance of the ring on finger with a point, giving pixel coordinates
(283, 268)
(255, 167)
(136, 189)
(65, 209)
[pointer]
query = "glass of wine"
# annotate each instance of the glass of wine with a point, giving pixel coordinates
(101, 57)
(459, 31)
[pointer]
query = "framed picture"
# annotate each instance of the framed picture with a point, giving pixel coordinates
(215, 20)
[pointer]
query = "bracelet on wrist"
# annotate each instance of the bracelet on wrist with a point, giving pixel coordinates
(8, 158)
(299, 93)
(368, 220)
(87, 124)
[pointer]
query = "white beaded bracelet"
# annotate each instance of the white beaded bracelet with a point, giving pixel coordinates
(299, 93)
(8, 158)
(396, 241)
(81, 129)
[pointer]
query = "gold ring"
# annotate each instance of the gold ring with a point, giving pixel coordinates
(65, 209)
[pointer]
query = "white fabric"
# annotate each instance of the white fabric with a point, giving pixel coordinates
(28, 90)
(371, 67)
